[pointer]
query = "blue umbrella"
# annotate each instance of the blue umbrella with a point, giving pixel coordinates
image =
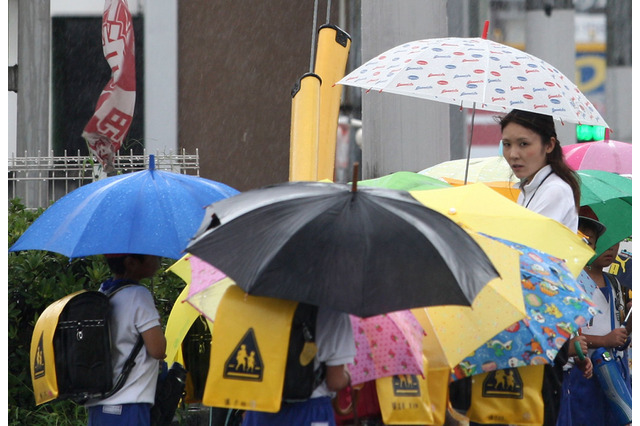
(146, 212)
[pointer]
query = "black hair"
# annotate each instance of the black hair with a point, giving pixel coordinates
(116, 264)
(544, 126)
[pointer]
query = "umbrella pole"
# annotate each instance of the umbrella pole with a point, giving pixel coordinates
(466, 168)
(354, 181)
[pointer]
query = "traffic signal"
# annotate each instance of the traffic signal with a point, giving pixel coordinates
(587, 133)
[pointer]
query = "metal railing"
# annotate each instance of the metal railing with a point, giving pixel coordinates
(43, 179)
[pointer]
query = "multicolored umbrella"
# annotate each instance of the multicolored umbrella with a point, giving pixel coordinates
(475, 73)
(556, 307)
(608, 155)
(386, 345)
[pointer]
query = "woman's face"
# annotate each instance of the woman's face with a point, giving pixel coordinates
(524, 151)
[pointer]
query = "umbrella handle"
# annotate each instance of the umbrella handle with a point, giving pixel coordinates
(576, 345)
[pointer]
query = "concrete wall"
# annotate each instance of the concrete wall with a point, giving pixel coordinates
(237, 64)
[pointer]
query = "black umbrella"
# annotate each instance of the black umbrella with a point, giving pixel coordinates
(365, 252)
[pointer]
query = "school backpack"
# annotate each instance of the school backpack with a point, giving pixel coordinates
(71, 350)
(301, 378)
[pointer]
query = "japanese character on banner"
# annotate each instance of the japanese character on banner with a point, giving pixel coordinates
(110, 123)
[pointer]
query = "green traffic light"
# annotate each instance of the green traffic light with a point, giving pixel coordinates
(585, 133)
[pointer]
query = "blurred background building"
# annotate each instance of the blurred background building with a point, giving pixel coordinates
(216, 77)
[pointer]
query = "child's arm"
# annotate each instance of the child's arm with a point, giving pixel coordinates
(155, 342)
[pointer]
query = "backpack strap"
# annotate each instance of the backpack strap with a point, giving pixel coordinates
(130, 362)
(617, 292)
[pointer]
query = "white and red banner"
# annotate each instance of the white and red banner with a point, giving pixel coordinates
(106, 130)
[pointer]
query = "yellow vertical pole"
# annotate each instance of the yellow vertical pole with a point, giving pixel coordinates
(331, 62)
(305, 110)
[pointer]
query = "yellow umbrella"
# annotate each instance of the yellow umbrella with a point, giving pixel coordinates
(183, 314)
(501, 187)
(481, 209)
(454, 332)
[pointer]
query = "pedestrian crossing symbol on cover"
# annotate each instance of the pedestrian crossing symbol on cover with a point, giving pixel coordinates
(406, 385)
(245, 362)
(38, 364)
(505, 383)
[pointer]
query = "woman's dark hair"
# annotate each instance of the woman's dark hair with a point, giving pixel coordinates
(116, 263)
(544, 126)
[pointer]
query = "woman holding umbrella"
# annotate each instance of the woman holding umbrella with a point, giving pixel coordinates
(548, 186)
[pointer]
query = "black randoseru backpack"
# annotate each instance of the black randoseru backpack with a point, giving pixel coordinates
(82, 347)
(300, 380)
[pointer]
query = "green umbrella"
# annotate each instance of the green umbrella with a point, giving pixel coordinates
(609, 196)
(405, 181)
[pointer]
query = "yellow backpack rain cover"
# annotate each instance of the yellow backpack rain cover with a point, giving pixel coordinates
(405, 399)
(249, 346)
(512, 395)
(42, 359)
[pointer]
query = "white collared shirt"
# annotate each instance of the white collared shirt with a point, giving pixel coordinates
(548, 195)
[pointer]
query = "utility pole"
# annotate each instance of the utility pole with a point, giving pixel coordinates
(32, 132)
(550, 35)
(618, 80)
(401, 133)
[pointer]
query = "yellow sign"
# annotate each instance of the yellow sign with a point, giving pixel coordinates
(512, 395)
(249, 346)
(405, 399)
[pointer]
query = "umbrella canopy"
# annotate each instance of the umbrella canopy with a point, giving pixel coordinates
(405, 181)
(365, 252)
(494, 172)
(196, 273)
(607, 155)
(557, 306)
(147, 212)
(454, 332)
(386, 345)
(484, 169)
(481, 209)
(609, 196)
(475, 73)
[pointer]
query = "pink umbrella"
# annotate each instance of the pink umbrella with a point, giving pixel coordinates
(608, 155)
(386, 345)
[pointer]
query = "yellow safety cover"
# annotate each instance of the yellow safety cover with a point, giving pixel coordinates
(249, 345)
(438, 384)
(305, 111)
(331, 62)
(405, 399)
(511, 396)
(43, 362)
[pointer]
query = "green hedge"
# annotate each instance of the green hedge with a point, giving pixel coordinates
(37, 279)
